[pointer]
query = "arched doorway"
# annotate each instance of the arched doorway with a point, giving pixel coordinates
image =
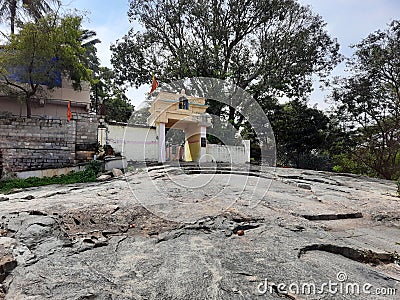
(180, 111)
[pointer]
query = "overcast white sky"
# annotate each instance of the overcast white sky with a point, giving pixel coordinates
(347, 20)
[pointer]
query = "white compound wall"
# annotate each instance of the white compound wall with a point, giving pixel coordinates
(140, 143)
(136, 143)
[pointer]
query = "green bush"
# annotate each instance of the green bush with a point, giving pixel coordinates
(310, 161)
(344, 163)
(318, 162)
(93, 168)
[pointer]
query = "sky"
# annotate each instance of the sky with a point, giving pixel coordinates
(347, 20)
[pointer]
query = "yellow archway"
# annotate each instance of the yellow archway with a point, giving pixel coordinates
(183, 112)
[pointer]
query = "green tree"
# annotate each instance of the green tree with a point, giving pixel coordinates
(117, 109)
(89, 41)
(270, 48)
(305, 137)
(31, 61)
(300, 132)
(115, 104)
(369, 102)
(13, 10)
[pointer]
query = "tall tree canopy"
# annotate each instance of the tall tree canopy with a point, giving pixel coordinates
(88, 41)
(12, 10)
(369, 101)
(270, 48)
(300, 132)
(108, 98)
(39, 53)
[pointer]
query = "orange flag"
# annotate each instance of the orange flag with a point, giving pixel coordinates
(69, 113)
(154, 85)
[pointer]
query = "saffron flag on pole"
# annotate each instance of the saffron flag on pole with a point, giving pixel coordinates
(69, 113)
(154, 85)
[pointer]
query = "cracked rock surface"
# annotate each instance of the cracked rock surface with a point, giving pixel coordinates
(166, 234)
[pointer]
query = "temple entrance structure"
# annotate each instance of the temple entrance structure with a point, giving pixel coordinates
(180, 111)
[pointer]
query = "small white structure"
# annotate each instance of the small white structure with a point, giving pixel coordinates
(135, 142)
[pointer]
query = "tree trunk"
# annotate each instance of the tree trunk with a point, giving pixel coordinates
(13, 15)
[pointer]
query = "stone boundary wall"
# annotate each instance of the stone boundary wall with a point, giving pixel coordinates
(35, 144)
(86, 132)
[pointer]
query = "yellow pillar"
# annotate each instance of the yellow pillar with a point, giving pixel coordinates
(192, 143)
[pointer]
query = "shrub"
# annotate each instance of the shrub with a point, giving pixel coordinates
(344, 163)
(88, 175)
(318, 162)
(95, 166)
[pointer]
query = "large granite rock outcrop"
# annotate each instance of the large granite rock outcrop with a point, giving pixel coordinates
(159, 234)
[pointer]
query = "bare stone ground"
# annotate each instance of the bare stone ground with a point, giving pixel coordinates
(168, 234)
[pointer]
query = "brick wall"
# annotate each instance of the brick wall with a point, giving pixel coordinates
(33, 144)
